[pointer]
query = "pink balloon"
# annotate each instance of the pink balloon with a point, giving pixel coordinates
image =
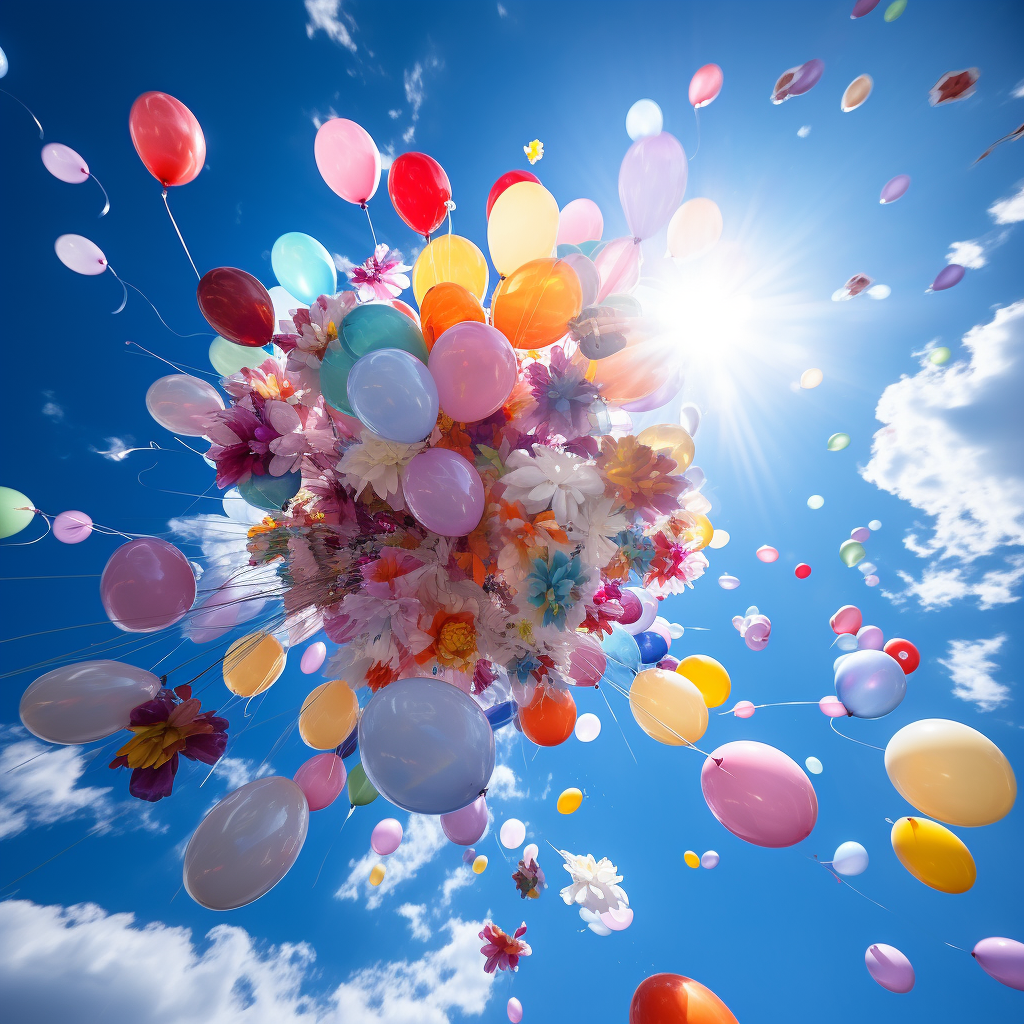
(618, 263)
(313, 657)
(514, 1009)
(861, 534)
(72, 527)
(466, 825)
(847, 620)
(386, 836)
(617, 920)
(833, 707)
(759, 794)
(147, 585)
(80, 255)
(766, 553)
(322, 779)
(705, 85)
(889, 967)
(579, 221)
(652, 180)
(475, 370)
(348, 160)
(869, 638)
(894, 188)
(660, 626)
(183, 404)
(587, 662)
(444, 492)
(64, 163)
(744, 709)
(1002, 959)
(587, 272)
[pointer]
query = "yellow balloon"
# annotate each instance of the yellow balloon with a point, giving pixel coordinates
(672, 440)
(253, 664)
(691, 859)
(668, 707)
(480, 865)
(328, 715)
(933, 855)
(709, 676)
(376, 874)
(951, 772)
(569, 800)
(694, 229)
(702, 532)
(523, 226)
(450, 258)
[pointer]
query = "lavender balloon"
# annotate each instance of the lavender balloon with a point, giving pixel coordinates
(444, 492)
(587, 272)
(147, 585)
(72, 527)
(870, 683)
(64, 163)
(808, 75)
(947, 277)
(894, 188)
(1002, 959)
(889, 967)
(475, 370)
(183, 404)
(393, 393)
(466, 825)
(77, 253)
(386, 837)
(652, 180)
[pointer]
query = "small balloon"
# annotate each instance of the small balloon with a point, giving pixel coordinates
(643, 118)
(851, 552)
(744, 709)
(253, 664)
(328, 715)
(386, 836)
(837, 442)
(377, 873)
(719, 539)
(727, 582)
(580, 221)
(856, 93)
(850, 859)
(766, 553)
(811, 378)
(709, 676)
(802, 571)
(77, 253)
(933, 855)
(939, 356)
(468, 824)
(889, 967)
(694, 229)
(303, 266)
(905, 654)
(796, 81)
(64, 163)
(946, 278)
(514, 1009)
(569, 801)
(480, 864)
(813, 765)
(236, 306)
(167, 137)
(895, 9)
(894, 188)
(705, 85)
(71, 527)
(588, 727)
(183, 404)
(227, 358)
(313, 657)
(550, 718)
(870, 638)
(691, 859)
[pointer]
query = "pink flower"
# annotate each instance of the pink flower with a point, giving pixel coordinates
(382, 276)
(302, 432)
(241, 445)
(503, 951)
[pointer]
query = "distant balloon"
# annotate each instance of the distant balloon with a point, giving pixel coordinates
(837, 442)
(796, 81)
(813, 765)
(870, 684)
(833, 707)
(514, 1009)
(895, 9)
(815, 501)
(512, 834)
(889, 967)
(386, 836)
(313, 657)
(72, 527)
(939, 356)
(377, 873)
(727, 582)
(811, 378)
(644, 118)
(947, 277)
(905, 654)
(766, 553)
(77, 253)
(588, 727)
(743, 709)
(862, 7)
(569, 801)
(719, 539)
(847, 619)
(856, 93)
(802, 571)
(322, 779)
(850, 859)
(851, 552)
(894, 189)
(705, 85)
(953, 86)
(709, 860)
(480, 864)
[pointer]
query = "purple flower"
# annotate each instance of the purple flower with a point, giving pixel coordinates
(563, 396)
(382, 276)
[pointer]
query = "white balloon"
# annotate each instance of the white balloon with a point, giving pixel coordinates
(531, 852)
(709, 860)
(847, 642)
(588, 727)
(880, 291)
(814, 766)
(512, 834)
(850, 859)
(689, 418)
(727, 582)
(644, 118)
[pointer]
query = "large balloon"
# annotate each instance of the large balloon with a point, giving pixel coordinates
(709, 676)
(246, 844)
(373, 326)
(322, 779)
(951, 772)
(183, 404)
(236, 306)
(394, 394)
(87, 701)
(348, 160)
(16, 511)
(475, 370)
(328, 715)
(303, 266)
(694, 229)
(467, 825)
(870, 683)
(507, 179)
(652, 180)
(450, 258)
(523, 226)
(674, 999)
(705, 85)
(445, 305)
(532, 307)
(933, 854)
(549, 719)
(759, 794)
(1002, 959)
(420, 191)
(444, 492)
(426, 745)
(668, 707)
(253, 664)
(147, 585)
(580, 221)
(167, 137)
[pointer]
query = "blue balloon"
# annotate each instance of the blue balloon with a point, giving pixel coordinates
(591, 248)
(373, 325)
(501, 714)
(393, 393)
(564, 248)
(334, 370)
(652, 647)
(270, 493)
(303, 267)
(870, 683)
(351, 744)
(623, 657)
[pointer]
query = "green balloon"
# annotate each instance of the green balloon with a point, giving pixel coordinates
(837, 442)
(360, 789)
(16, 511)
(334, 371)
(895, 9)
(851, 552)
(270, 493)
(939, 356)
(227, 358)
(373, 326)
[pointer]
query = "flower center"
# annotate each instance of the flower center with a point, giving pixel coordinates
(457, 639)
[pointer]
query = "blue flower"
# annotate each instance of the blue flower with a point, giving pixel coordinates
(554, 586)
(637, 548)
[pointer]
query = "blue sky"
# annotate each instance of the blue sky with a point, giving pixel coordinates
(770, 931)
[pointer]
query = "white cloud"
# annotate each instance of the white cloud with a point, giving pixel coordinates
(456, 879)
(82, 964)
(118, 448)
(387, 157)
(504, 784)
(414, 92)
(1018, 90)
(971, 668)
(1009, 210)
(803, 131)
(343, 263)
(415, 914)
(394, 113)
(968, 254)
(50, 408)
(408, 135)
(502, 11)
(319, 116)
(237, 771)
(326, 16)
(939, 588)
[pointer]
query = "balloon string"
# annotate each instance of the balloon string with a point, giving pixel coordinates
(782, 704)
(616, 721)
(696, 118)
(124, 288)
(180, 367)
(106, 198)
(30, 114)
(366, 210)
(163, 195)
(351, 811)
(832, 724)
(194, 334)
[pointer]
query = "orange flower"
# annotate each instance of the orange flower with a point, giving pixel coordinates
(640, 478)
(379, 675)
(453, 639)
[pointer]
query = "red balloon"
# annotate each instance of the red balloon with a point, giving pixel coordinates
(508, 178)
(236, 306)
(906, 654)
(802, 571)
(420, 191)
(673, 999)
(167, 137)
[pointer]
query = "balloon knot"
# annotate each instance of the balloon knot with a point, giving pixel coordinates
(163, 680)
(449, 206)
(362, 206)
(718, 761)
(637, 241)
(975, 955)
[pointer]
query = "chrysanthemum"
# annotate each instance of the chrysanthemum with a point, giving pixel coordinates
(551, 479)
(554, 586)
(594, 883)
(376, 462)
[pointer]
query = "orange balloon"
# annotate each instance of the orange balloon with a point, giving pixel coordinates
(632, 373)
(549, 719)
(445, 305)
(673, 999)
(532, 307)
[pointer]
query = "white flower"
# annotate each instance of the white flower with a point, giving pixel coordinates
(376, 462)
(551, 479)
(595, 528)
(594, 883)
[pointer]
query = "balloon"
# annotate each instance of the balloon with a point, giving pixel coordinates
(475, 369)
(668, 707)
(802, 571)
(856, 93)
(227, 358)
(569, 801)
(253, 664)
(889, 967)
(796, 81)
(167, 137)
(351, 744)
(468, 824)
(386, 836)
(860, 533)
(347, 159)
(814, 766)
(86, 701)
(870, 684)
(394, 394)
(719, 538)
(648, 611)
(426, 745)
(303, 266)
(77, 253)
(236, 306)
(851, 552)
(895, 9)
(759, 794)
(705, 85)
(862, 7)
(183, 404)
(406, 310)
(869, 638)
(334, 370)
(811, 379)
(671, 440)
(420, 191)
(694, 229)
(744, 709)
(652, 180)
(377, 874)
(727, 582)
(894, 189)
(270, 493)
(618, 265)
(321, 779)
(512, 833)
(939, 356)
(766, 553)
(933, 855)
(360, 788)
(531, 852)
(246, 844)
(507, 179)
(837, 442)
(450, 258)
(444, 492)
(445, 305)
(951, 772)
(642, 119)
(589, 278)
(549, 718)
(480, 864)
(64, 163)
(850, 859)
(947, 277)
(580, 221)
(72, 527)
(313, 657)
(328, 715)
(372, 326)
(147, 585)
(653, 647)
(501, 714)
(588, 727)
(709, 676)
(4, 64)
(905, 654)
(1002, 959)
(674, 999)
(691, 859)
(514, 1009)
(522, 227)
(832, 707)
(16, 511)
(847, 619)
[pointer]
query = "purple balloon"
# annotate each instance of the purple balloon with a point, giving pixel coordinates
(468, 856)
(322, 779)
(947, 277)
(77, 253)
(147, 585)
(1002, 959)
(894, 188)
(862, 7)
(468, 824)
(586, 271)
(652, 180)
(444, 492)
(386, 837)
(870, 638)
(72, 527)
(889, 967)
(64, 163)
(861, 534)
(807, 77)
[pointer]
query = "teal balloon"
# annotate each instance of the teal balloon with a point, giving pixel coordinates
(270, 493)
(303, 267)
(564, 248)
(372, 326)
(334, 371)
(592, 248)
(623, 656)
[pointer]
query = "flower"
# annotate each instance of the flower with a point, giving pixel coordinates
(240, 445)
(529, 879)
(302, 431)
(554, 587)
(562, 394)
(534, 151)
(597, 526)
(164, 727)
(375, 462)
(503, 951)
(551, 479)
(594, 883)
(453, 640)
(270, 381)
(382, 276)
(674, 566)
(638, 476)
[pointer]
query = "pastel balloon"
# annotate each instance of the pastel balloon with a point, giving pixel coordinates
(837, 442)
(480, 864)
(951, 772)
(444, 492)
(862, 7)
(813, 765)
(253, 664)
(16, 511)
(386, 836)
(147, 585)
(468, 824)
(246, 844)
(709, 859)
(939, 356)
(668, 707)
(719, 539)
(569, 801)
(531, 852)
(514, 1009)
(1002, 959)
(705, 85)
(512, 833)
(77, 253)
(860, 533)
(618, 265)
(832, 707)
(905, 653)
(167, 137)
(856, 93)
(811, 378)
(523, 226)
(933, 855)
(227, 358)
(744, 709)
(894, 188)
(64, 163)
(709, 676)
(847, 619)
(377, 873)
(475, 370)
(394, 394)
(889, 967)
(549, 719)
(694, 229)
(623, 656)
(870, 684)
(642, 119)
(71, 527)
(869, 638)
(759, 794)
(947, 277)
(444, 306)
(851, 552)
(766, 553)
(328, 715)
(450, 258)
(672, 440)
(322, 779)
(313, 657)
(674, 999)
(303, 266)
(652, 180)
(727, 582)
(895, 9)
(372, 326)
(580, 220)
(420, 191)
(183, 404)
(796, 81)
(360, 788)
(588, 727)
(589, 276)
(270, 493)
(850, 859)
(236, 306)
(347, 159)
(507, 179)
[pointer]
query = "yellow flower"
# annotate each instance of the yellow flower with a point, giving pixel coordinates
(534, 151)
